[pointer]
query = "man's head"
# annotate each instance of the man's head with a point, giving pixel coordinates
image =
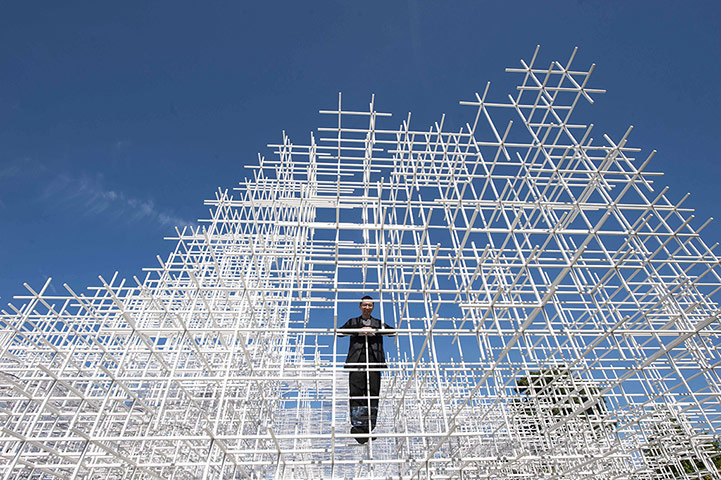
(366, 306)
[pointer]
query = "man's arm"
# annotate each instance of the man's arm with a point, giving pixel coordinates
(341, 333)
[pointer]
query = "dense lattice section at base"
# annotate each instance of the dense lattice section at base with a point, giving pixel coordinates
(556, 316)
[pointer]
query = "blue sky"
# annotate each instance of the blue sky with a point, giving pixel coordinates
(118, 119)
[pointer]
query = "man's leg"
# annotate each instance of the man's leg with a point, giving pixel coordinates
(358, 403)
(374, 383)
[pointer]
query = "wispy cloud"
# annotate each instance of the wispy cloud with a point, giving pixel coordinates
(9, 170)
(89, 194)
(20, 166)
(121, 145)
(15, 171)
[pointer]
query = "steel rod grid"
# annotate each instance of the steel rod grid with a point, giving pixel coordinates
(557, 315)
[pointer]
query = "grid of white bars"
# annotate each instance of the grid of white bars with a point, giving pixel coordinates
(557, 316)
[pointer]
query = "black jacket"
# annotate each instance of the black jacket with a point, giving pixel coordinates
(357, 350)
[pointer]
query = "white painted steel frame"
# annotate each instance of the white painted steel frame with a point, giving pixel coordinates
(557, 316)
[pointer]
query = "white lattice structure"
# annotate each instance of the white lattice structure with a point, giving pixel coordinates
(558, 316)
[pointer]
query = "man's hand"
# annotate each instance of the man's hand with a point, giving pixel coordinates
(368, 331)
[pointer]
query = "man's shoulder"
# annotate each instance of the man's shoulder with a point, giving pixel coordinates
(352, 322)
(359, 319)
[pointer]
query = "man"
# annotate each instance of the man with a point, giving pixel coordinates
(365, 359)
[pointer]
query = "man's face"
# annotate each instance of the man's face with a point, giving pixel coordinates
(366, 307)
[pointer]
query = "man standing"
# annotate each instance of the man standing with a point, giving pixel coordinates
(365, 359)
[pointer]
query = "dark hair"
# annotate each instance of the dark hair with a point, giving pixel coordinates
(367, 297)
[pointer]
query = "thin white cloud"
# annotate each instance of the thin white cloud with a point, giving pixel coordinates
(14, 170)
(121, 145)
(89, 194)
(9, 170)
(15, 167)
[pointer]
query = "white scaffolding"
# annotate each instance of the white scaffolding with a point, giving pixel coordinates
(557, 316)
